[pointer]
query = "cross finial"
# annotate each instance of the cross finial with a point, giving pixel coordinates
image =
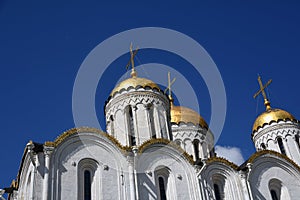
(131, 61)
(262, 91)
(170, 83)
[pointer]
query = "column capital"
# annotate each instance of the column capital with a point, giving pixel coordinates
(48, 150)
(130, 159)
(148, 106)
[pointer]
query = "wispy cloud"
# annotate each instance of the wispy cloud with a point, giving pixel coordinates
(232, 154)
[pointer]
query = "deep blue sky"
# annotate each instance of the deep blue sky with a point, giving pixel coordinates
(42, 45)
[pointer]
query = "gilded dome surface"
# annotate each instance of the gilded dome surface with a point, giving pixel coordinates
(187, 115)
(134, 82)
(271, 115)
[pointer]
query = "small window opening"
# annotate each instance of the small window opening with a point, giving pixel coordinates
(274, 195)
(87, 185)
(263, 146)
(162, 189)
(281, 147)
(217, 192)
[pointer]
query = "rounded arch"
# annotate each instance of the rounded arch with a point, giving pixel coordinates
(88, 175)
(165, 183)
(222, 180)
(219, 181)
(278, 190)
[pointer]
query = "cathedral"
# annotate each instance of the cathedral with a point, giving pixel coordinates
(154, 149)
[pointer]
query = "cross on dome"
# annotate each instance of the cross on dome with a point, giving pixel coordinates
(131, 61)
(262, 91)
(170, 83)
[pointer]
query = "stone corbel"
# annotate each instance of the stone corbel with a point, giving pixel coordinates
(134, 107)
(148, 106)
(30, 147)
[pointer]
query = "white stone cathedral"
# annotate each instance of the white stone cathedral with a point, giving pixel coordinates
(153, 149)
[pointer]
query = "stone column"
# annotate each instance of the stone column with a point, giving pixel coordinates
(167, 128)
(130, 160)
(156, 122)
(135, 125)
(147, 113)
(47, 153)
(294, 149)
(249, 166)
(245, 190)
(127, 126)
(33, 158)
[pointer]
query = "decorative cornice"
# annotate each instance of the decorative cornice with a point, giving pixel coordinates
(222, 160)
(49, 144)
(153, 87)
(274, 121)
(138, 95)
(275, 127)
(153, 141)
(264, 152)
(188, 134)
(73, 131)
(14, 184)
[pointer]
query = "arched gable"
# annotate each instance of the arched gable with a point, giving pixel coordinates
(269, 169)
(87, 145)
(159, 159)
(220, 177)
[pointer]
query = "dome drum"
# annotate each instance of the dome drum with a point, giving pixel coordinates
(136, 111)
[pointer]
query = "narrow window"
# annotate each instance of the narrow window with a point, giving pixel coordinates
(297, 139)
(112, 125)
(87, 185)
(274, 195)
(162, 189)
(151, 120)
(212, 152)
(263, 146)
(131, 128)
(217, 192)
(196, 149)
(281, 147)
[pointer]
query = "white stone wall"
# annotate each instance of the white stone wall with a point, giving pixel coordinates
(119, 175)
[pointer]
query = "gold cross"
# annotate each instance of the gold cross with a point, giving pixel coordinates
(131, 61)
(262, 91)
(170, 83)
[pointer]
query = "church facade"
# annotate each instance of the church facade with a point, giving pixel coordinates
(153, 149)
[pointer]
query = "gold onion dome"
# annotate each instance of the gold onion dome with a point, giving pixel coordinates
(271, 115)
(134, 82)
(186, 115)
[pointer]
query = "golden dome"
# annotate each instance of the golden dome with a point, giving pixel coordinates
(184, 114)
(134, 82)
(269, 116)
